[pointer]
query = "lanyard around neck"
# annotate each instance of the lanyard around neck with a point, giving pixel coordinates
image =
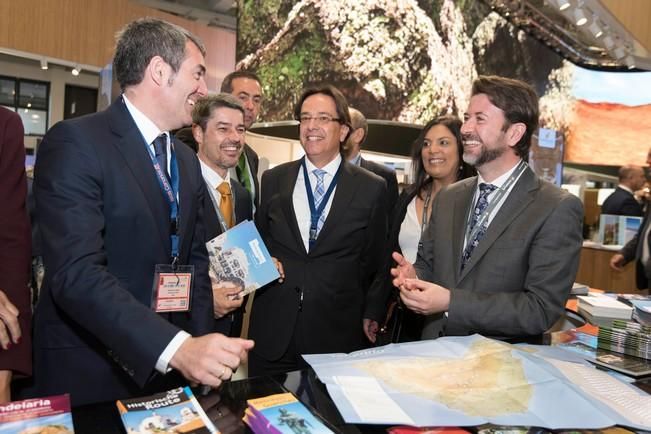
(170, 189)
(501, 191)
(315, 212)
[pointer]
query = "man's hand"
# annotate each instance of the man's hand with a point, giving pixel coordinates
(281, 270)
(617, 262)
(210, 359)
(424, 297)
(225, 297)
(9, 326)
(371, 328)
(403, 270)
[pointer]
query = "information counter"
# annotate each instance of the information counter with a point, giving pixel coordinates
(595, 272)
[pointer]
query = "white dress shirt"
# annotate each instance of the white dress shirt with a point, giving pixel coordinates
(150, 131)
(299, 198)
(410, 231)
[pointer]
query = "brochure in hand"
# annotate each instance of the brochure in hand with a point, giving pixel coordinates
(240, 256)
(176, 410)
(49, 415)
(282, 413)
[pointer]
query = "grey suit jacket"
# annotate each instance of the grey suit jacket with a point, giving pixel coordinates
(519, 276)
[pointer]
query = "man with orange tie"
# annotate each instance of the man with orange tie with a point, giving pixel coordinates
(218, 128)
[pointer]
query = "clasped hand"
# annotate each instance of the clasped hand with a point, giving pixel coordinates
(420, 296)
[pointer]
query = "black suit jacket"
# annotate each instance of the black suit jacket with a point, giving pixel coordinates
(105, 224)
(330, 282)
(621, 202)
(389, 176)
(633, 250)
(231, 324)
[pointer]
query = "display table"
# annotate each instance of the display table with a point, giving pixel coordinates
(595, 271)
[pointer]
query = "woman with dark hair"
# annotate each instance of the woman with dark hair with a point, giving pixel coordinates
(436, 162)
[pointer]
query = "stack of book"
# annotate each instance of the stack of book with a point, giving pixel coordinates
(626, 337)
(602, 310)
(50, 414)
(281, 413)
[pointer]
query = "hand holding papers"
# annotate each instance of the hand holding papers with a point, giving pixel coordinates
(239, 256)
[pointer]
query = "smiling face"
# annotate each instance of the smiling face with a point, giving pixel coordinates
(440, 154)
(220, 145)
(248, 91)
(484, 135)
(183, 88)
(321, 139)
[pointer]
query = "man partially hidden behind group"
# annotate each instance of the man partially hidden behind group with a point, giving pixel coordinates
(245, 86)
(120, 202)
(353, 153)
(325, 220)
(501, 251)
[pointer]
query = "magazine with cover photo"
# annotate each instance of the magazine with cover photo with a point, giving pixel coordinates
(49, 415)
(240, 256)
(174, 411)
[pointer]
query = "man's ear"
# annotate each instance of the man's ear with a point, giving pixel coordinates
(197, 133)
(514, 133)
(157, 70)
(343, 133)
(357, 135)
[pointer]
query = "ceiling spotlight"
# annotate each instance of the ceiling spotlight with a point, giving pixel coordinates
(580, 18)
(595, 28)
(44, 64)
(561, 4)
(76, 70)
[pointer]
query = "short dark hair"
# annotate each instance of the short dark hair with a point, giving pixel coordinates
(518, 101)
(357, 121)
(421, 178)
(227, 83)
(341, 105)
(205, 106)
(140, 40)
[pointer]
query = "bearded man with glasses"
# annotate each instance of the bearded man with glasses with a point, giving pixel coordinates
(325, 220)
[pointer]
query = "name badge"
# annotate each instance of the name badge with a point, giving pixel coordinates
(172, 289)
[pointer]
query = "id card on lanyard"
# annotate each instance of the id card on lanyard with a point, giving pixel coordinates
(172, 286)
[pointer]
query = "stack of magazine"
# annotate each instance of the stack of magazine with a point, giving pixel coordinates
(626, 337)
(602, 310)
(50, 414)
(281, 413)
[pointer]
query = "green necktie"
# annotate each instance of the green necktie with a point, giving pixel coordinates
(243, 174)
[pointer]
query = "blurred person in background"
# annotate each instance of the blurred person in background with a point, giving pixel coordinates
(623, 200)
(436, 162)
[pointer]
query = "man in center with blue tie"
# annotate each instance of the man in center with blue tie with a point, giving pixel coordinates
(502, 249)
(325, 220)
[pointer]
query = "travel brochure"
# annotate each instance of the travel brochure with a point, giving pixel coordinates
(240, 256)
(282, 413)
(174, 411)
(49, 415)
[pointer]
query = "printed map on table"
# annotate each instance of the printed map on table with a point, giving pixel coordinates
(472, 380)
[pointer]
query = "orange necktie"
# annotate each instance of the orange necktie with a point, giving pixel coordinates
(226, 204)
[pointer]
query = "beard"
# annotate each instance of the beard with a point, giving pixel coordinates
(485, 156)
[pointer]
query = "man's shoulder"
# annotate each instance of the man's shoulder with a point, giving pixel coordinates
(250, 152)
(364, 175)
(377, 168)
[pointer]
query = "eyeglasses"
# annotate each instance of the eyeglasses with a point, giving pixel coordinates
(319, 120)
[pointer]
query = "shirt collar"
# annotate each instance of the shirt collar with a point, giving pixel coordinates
(330, 168)
(356, 160)
(500, 180)
(625, 187)
(212, 178)
(147, 127)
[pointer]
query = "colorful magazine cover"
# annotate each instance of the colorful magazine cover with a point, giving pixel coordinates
(282, 413)
(240, 256)
(49, 415)
(174, 411)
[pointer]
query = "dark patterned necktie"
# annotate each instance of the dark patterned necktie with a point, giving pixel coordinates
(482, 203)
(160, 149)
(319, 192)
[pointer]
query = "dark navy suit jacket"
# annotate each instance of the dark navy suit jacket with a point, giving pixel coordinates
(621, 202)
(105, 225)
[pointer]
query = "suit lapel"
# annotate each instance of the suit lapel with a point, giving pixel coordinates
(131, 145)
(287, 183)
(462, 204)
(343, 195)
(186, 198)
(519, 198)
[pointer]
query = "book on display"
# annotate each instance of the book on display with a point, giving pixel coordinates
(176, 411)
(599, 305)
(282, 413)
(50, 415)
